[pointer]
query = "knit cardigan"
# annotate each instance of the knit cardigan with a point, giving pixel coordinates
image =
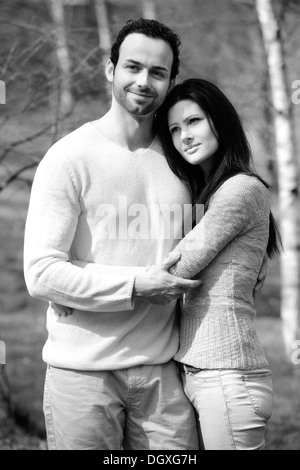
(226, 250)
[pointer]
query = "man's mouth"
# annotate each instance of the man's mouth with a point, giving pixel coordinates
(142, 95)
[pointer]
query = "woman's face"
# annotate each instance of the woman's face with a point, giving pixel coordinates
(191, 133)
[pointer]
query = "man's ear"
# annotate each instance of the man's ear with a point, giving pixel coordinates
(109, 71)
(171, 86)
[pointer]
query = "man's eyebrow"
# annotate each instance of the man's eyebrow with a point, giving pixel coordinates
(156, 67)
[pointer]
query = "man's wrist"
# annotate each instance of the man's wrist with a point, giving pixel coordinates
(138, 286)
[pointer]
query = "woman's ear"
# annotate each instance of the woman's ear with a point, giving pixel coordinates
(110, 71)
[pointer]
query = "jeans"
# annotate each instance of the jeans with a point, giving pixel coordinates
(139, 408)
(233, 406)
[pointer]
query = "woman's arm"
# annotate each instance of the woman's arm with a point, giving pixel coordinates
(234, 208)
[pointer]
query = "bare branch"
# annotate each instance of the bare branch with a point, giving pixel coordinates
(16, 175)
(20, 24)
(27, 139)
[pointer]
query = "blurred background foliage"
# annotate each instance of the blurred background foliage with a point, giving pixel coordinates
(221, 41)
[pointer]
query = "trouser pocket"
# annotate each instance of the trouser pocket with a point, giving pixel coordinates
(259, 387)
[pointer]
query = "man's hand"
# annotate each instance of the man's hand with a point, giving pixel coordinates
(159, 287)
(62, 310)
(261, 277)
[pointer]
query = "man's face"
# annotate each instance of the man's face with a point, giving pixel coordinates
(142, 76)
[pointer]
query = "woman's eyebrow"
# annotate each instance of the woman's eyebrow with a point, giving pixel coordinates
(191, 116)
(186, 119)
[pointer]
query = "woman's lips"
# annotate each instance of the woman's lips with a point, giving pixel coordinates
(192, 149)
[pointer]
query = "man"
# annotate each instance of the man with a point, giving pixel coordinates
(111, 381)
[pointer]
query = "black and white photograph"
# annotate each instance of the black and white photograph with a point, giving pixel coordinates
(149, 227)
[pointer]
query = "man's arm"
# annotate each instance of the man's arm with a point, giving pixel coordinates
(50, 228)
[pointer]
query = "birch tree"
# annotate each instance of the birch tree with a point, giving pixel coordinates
(62, 55)
(104, 34)
(6, 418)
(287, 172)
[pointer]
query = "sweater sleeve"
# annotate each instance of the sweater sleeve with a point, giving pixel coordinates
(51, 223)
(234, 208)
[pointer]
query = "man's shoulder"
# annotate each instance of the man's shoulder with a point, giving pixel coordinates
(72, 140)
(71, 147)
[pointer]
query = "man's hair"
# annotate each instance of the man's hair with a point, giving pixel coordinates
(152, 29)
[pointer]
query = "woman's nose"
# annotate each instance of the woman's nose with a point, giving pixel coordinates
(186, 138)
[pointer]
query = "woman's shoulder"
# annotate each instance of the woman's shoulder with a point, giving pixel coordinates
(244, 188)
(244, 184)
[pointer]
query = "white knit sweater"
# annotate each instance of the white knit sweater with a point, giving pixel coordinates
(77, 177)
(226, 250)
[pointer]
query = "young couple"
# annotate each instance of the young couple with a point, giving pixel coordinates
(111, 380)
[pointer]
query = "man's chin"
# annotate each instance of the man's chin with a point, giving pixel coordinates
(141, 111)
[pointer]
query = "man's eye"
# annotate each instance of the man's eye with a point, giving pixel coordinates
(134, 68)
(158, 74)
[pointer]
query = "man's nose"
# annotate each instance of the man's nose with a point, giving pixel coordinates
(143, 78)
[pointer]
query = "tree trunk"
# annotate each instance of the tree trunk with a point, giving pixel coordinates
(6, 418)
(104, 35)
(149, 10)
(63, 56)
(287, 173)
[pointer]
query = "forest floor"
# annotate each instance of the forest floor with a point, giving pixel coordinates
(22, 328)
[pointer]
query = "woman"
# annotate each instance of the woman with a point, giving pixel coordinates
(225, 371)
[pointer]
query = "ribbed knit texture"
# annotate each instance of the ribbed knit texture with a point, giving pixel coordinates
(108, 329)
(225, 250)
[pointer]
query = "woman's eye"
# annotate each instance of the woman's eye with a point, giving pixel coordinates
(194, 120)
(174, 130)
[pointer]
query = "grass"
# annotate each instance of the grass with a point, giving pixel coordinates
(24, 334)
(283, 430)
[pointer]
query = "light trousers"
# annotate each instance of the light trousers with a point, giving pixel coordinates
(139, 408)
(233, 407)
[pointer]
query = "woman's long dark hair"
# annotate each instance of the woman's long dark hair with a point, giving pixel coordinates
(232, 157)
